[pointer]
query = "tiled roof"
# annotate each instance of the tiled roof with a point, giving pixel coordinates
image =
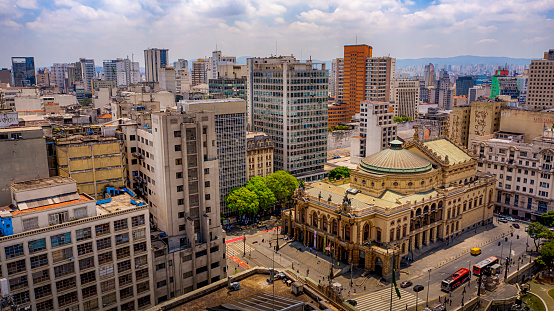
(444, 147)
(395, 160)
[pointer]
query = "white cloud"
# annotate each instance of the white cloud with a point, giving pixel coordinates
(27, 4)
(488, 40)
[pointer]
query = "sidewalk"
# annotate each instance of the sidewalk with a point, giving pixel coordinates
(462, 245)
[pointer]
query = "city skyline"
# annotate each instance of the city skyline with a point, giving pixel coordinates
(318, 30)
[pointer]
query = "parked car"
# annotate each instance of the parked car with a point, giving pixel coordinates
(526, 228)
(439, 308)
(502, 220)
(510, 219)
(406, 284)
(515, 226)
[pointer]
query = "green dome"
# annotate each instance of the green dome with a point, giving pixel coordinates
(395, 160)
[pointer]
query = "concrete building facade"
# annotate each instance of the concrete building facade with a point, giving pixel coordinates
(480, 119)
(541, 82)
(287, 99)
(88, 73)
(23, 71)
(154, 60)
(77, 253)
(24, 157)
(377, 130)
(405, 98)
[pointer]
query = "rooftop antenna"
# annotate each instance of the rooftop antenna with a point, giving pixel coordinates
(275, 47)
(356, 39)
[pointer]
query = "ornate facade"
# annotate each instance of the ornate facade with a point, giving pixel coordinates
(397, 200)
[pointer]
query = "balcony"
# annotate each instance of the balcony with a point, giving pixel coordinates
(138, 155)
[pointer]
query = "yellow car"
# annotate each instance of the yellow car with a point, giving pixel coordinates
(475, 251)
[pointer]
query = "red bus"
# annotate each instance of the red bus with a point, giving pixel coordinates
(455, 280)
(478, 267)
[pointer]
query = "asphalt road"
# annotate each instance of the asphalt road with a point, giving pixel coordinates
(467, 261)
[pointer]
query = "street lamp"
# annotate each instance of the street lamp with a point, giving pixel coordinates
(428, 280)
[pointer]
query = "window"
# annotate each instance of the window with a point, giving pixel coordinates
(63, 270)
(46, 305)
(67, 299)
(84, 248)
(105, 258)
(122, 238)
(161, 284)
(108, 299)
(139, 234)
(201, 269)
(58, 218)
(120, 225)
(106, 271)
(143, 287)
(207, 184)
(180, 201)
(102, 229)
(137, 220)
(160, 266)
(141, 274)
(177, 134)
(107, 285)
(187, 274)
(21, 298)
(139, 247)
(60, 239)
(37, 245)
(80, 212)
(125, 280)
(88, 277)
(179, 175)
(83, 234)
(143, 301)
(86, 263)
(62, 254)
(177, 147)
(142, 260)
(18, 282)
(41, 276)
(206, 171)
(132, 137)
(13, 251)
(103, 243)
(16, 267)
(180, 188)
(123, 252)
(178, 161)
(123, 266)
(30, 223)
(126, 293)
(43, 291)
(207, 196)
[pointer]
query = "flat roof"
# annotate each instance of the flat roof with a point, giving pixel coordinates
(41, 183)
(15, 211)
(264, 301)
(20, 129)
(119, 203)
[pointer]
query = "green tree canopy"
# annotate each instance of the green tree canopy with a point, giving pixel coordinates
(243, 201)
(547, 219)
(547, 253)
(339, 172)
(282, 184)
(265, 196)
(537, 231)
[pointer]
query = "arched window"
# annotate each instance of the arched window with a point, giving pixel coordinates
(366, 232)
(334, 227)
(314, 219)
(481, 200)
(440, 204)
(433, 206)
(475, 202)
(324, 223)
(490, 195)
(418, 212)
(426, 209)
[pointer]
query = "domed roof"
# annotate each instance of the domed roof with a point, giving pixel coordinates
(395, 160)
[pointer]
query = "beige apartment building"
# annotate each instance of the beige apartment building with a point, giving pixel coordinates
(173, 164)
(476, 120)
(524, 187)
(94, 162)
(63, 250)
(540, 90)
(259, 154)
(405, 98)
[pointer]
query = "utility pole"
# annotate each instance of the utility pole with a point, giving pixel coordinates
(480, 283)
(428, 280)
(506, 270)
(244, 244)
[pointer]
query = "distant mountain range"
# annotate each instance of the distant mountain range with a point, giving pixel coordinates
(463, 60)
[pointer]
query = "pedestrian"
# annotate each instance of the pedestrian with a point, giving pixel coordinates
(307, 272)
(297, 271)
(263, 240)
(364, 287)
(320, 282)
(348, 293)
(450, 302)
(315, 254)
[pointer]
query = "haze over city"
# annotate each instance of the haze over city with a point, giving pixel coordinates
(63, 30)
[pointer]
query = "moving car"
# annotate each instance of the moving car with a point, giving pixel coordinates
(475, 251)
(510, 219)
(418, 288)
(502, 220)
(406, 284)
(515, 226)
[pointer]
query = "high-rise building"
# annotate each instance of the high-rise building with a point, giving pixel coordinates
(24, 157)
(260, 154)
(199, 72)
(336, 86)
(443, 94)
(429, 75)
(88, 72)
(59, 76)
(128, 72)
(541, 82)
(75, 76)
(63, 250)
(230, 129)
(110, 69)
(287, 99)
(154, 60)
(217, 60)
(43, 77)
(354, 76)
(167, 79)
(405, 98)
(181, 64)
(463, 84)
(172, 161)
(377, 130)
(5, 75)
(23, 71)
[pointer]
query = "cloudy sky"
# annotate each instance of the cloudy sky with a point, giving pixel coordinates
(64, 30)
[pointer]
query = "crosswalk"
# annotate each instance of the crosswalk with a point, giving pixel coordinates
(237, 248)
(380, 300)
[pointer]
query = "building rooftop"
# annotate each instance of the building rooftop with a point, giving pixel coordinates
(24, 208)
(445, 148)
(118, 200)
(395, 160)
(20, 129)
(254, 134)
(80, 139)
(41, 183)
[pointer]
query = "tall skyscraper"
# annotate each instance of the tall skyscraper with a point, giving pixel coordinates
(230, 129)
(87, 70)
(23, 71)
(5, 75)
(154, 60)
(429, 75)
(541, 82)
(59, 76)
(218, 59)
(463, 84)
(287, 99)
(43, 77)
(110, 69)
(405, 98)
(199, 72)
(128, 72)
(336, 79)
(181, 64)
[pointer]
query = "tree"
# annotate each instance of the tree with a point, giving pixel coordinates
(243, 201)
(265, 196)
(87, 101)
(547, 219)
(339, 172)
(547, 253)
(537, 231)
(282, 184)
